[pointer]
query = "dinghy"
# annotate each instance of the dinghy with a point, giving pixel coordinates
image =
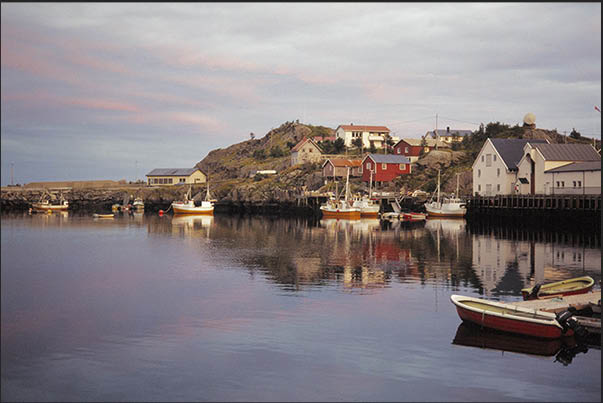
(572, 286)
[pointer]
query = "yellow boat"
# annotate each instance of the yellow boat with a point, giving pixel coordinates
(572, 286)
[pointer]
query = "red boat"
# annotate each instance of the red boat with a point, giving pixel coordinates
(509, 318)
(413, 217)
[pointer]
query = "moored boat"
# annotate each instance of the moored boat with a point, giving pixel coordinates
(368, 208)
(334, 208)
(445, 206)
(572, 286)
(45, 205)
(188, 205)
(413, 217)
(138, 204)
(509, 318)
(95, 215)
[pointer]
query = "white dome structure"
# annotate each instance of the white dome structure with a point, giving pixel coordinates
(529, 119)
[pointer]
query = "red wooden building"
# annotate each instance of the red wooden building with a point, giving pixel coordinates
(412, 147)
(385, 167)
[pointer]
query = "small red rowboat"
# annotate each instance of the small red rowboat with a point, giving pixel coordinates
(509, 318)
(413, 217)
(572, 286)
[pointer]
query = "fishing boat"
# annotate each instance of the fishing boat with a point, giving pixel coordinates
(187, 206)
(138, 204)
(368, 207)
(446, 206)
(509, 318)
(335, 208)
(45, 205)
(572, 286)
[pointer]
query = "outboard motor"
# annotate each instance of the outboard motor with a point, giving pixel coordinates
(567, 321)
(534, 293)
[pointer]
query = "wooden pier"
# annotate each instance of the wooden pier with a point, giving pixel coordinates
(531, 203)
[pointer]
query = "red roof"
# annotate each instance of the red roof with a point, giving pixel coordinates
(365, 128)
(342, 162)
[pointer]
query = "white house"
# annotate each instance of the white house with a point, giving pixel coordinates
(559, 169)
(370, 135)
(495, 168)
(306, 151)
(175, 176)
(449, 135)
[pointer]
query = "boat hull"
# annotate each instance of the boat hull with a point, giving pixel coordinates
(575, 286)
(347, 214)
(440, 213)
(519, 322)
(413, 217)
(42, 207)
(369, 214)
(199, 211)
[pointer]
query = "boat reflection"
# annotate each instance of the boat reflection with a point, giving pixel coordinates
(192, 225)
(564, 349)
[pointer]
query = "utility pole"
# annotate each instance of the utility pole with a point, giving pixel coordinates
(436, 132)
(11, 173)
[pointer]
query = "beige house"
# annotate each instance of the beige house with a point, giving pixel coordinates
(175, 176)
(495, 168)
(370, 135)
(559, 169)
(306, 151)
(338, 168)
(448, 135)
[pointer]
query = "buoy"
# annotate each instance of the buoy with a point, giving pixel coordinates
(160, 212)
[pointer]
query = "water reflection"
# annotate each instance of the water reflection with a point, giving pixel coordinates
(564, 349)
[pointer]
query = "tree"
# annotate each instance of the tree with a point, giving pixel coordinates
(575, 134)
(389, 142)
(276, 152)
(357, 142)
(423, 145)
(259, 154)
(338, 146)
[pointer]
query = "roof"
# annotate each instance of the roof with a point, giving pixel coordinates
(578, 166)
(364, 128)
(324, 138)
(302, 142)
(428, 142)
(511, 150)
(452, 132)
(389, 158)
(342, 162)
(568, 152)
(172, 171)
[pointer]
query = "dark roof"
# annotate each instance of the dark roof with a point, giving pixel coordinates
(511, 150)
(568, 152)
(578, 166)
(389, 159)
(172, 171)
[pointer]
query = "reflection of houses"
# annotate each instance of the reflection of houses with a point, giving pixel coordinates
(559, 169)
(175, 176)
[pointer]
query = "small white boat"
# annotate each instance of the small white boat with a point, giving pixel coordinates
(368, 208)
(188, 205)
(138, 204)
(95, 215)
(45, 205)
(446, 206)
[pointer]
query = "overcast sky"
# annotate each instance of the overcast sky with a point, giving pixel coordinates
(112, 91)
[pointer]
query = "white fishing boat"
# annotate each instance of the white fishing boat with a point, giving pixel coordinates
(187, 206)
(335, 208)
(368, 207)
(446, 206)
(138, 204)
(45, 205)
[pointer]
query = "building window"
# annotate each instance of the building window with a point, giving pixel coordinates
(562, 184)
(498, 188)
(558, 185)
(171, 181)
(406, 150)
(150, 181)
(399, 151)
(368, 165)
(384, 167)
(488, 160)
(494, 157)
(482, 158)
(479, 173)
(182, 180)
(497, 171)
(479, 187)
(574, 183)
(579, 184)
(402, 167)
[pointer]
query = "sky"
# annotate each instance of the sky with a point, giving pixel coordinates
(113, 90)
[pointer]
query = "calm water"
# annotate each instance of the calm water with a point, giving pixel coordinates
(224, 308)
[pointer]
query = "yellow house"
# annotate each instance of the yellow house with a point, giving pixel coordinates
(175, 176)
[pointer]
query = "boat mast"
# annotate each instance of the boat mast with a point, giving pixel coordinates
(207, 193)
(438, 199)
(457, 185)
(347, 185)
(371, 185)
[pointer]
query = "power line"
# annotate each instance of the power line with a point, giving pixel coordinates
(461, 121)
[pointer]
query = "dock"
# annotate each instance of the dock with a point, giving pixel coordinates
(560, 304)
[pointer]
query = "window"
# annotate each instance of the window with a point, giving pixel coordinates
(562, 184)
(558, 184)
(494, 157)
(488, 160)
(384, 167)
(498, 188)
(182, 180)
(360, 170)
(150, 181)
(406, 150)
(171, 181)
(579, 184)
(498, 172)
(482, 158)
(479, 173)
(399, 150)
(310, 150)
(479, 187)
(368, 165)
(402, 167)
(574, 183)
